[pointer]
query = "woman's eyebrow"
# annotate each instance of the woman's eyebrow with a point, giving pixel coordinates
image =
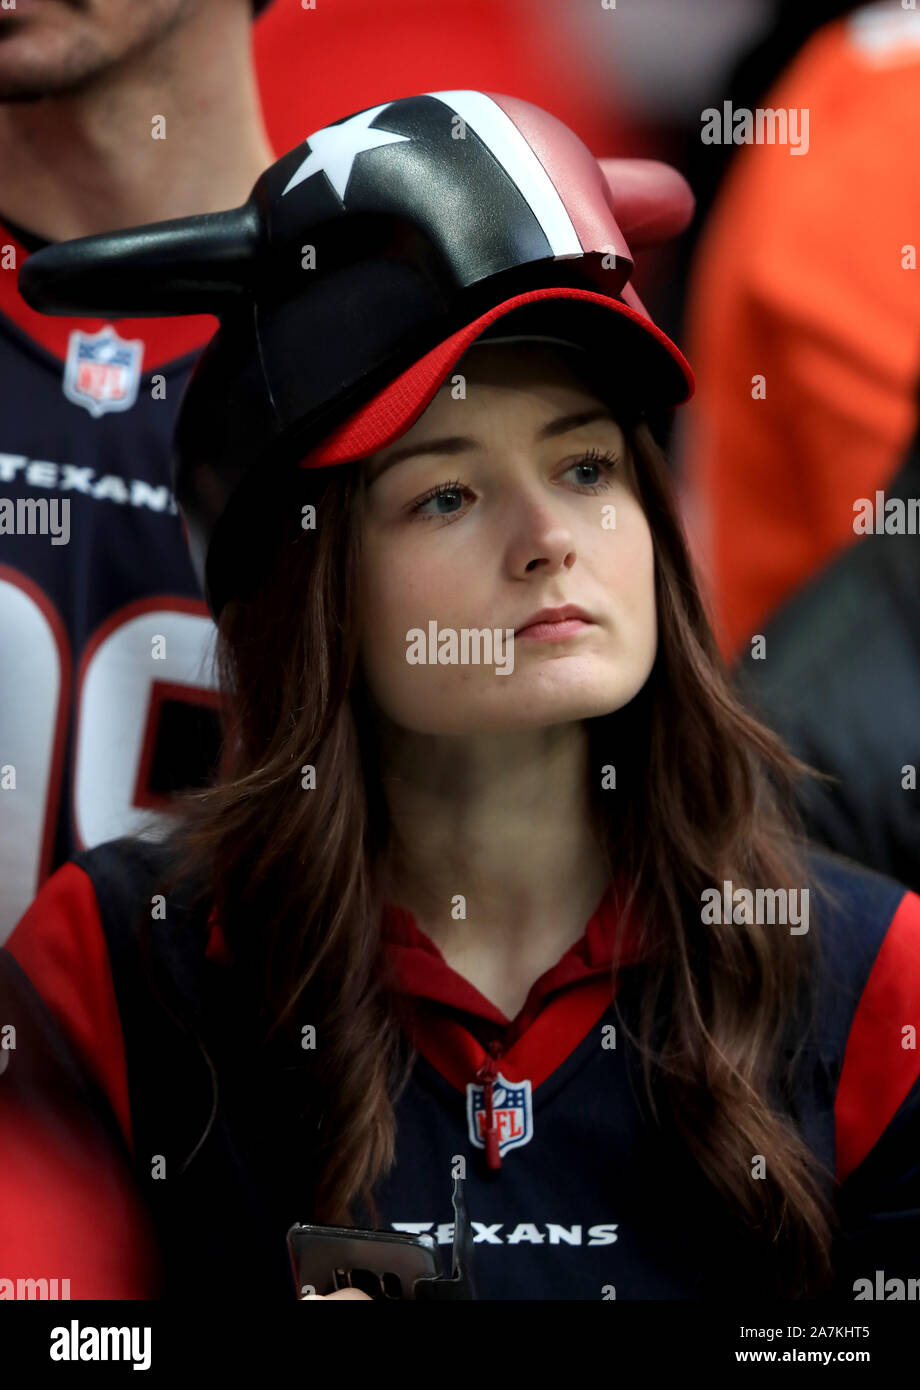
(457, 443)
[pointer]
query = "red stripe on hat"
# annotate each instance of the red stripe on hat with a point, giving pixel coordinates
(390, 413)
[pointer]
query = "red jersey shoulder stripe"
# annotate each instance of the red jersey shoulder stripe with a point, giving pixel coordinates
(61, 946)
(878, 1069)
(70, 1207)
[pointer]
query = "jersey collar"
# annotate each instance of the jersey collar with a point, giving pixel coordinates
(165, 339)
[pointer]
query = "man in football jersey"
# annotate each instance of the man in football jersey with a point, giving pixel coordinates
(111, 114)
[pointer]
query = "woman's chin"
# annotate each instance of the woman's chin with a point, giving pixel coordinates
(527, 710)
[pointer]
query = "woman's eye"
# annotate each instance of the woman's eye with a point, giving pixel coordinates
(444, 492)
(596, 461)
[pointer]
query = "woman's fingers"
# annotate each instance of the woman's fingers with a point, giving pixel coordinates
(339, 1293)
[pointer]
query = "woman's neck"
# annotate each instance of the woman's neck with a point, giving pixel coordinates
(493, 846)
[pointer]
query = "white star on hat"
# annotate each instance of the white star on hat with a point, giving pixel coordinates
(335, 148)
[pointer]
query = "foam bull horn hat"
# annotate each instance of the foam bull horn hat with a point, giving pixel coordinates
(363, 264)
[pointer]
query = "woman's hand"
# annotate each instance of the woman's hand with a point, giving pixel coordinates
(339, 1293)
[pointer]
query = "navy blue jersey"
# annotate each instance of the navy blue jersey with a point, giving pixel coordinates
(100, 722)
(572, 1191)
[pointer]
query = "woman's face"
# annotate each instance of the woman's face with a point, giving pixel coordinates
(524, 521)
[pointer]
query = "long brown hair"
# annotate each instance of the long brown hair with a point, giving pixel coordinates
(297, 873)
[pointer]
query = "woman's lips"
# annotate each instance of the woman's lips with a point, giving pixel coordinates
(555, 632)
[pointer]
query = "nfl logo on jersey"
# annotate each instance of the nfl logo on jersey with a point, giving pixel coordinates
(512, 1110)
(102, 371)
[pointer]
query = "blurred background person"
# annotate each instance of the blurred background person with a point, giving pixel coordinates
(803, 278)
(803, 317)
(839, 679)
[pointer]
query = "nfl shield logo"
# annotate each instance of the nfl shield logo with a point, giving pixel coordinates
(511, 1107)
(102, 371)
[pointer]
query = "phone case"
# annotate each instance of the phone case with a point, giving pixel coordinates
(384, 1264)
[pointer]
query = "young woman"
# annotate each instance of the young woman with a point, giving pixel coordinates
(498, 880)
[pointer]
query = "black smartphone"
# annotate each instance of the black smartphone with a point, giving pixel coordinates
(383, 1264)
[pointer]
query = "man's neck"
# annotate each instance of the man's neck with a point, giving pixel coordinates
(88, 162)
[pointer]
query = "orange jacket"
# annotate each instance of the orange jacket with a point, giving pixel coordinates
(802, 278)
